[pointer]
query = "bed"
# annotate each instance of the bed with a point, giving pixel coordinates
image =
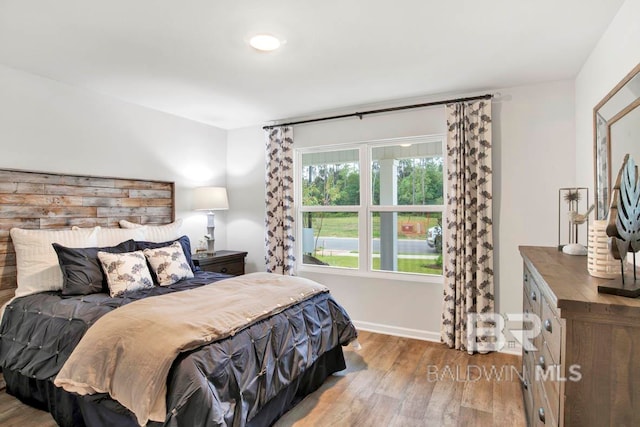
(250, 376)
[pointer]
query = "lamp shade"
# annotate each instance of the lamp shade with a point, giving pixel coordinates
(210, 199)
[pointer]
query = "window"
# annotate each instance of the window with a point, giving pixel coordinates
(374, 207)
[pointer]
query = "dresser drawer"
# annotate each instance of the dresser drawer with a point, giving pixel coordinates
(233, 268)
(532, 293)
(526, 304)
(542, 415)
(527, 392)
(549, 384)
(529, 361)
(551, 331)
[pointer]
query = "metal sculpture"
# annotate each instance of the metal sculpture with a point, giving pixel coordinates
(623, 226)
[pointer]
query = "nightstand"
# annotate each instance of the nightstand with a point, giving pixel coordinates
(228, 262)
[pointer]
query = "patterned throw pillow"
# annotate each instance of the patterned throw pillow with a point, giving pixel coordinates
(184, 241)
(169, 264)
(125, 272)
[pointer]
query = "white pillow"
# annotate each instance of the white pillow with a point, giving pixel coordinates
(156, 233)
(36, 260)
(169, 264)
(115, 236)
(125, 272)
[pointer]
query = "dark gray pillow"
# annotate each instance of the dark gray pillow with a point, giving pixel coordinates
(184, 242)
(81, 270)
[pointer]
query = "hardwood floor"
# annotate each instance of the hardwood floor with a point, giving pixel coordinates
(391, 381)
(402, 382)
(15, 414)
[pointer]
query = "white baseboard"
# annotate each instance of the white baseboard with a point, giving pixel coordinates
(397, 331)
(417, 334)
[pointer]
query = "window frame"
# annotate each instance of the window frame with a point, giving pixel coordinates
(365, 209)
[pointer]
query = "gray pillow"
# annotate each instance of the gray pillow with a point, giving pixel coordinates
(81, 270)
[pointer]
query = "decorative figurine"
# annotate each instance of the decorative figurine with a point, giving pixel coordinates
(623, 227)
(576, 219)
(572, 201)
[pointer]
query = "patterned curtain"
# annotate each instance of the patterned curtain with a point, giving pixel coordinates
(279, 198)
(468, 271)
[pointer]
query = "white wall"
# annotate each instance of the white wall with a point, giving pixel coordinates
(534, 134)
(533, 157)
(615, 54)
(246, 188)
(54, 127)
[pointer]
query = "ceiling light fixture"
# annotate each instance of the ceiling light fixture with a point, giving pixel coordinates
(264, 42)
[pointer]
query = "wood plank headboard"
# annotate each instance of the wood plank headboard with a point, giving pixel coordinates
(46, 200)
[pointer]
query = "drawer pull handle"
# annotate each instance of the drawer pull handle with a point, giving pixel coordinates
(534, 297)
(547, 325)
(542, 363)
(223, 270)
(541, 414)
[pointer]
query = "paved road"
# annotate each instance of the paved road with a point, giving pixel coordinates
(351, 244)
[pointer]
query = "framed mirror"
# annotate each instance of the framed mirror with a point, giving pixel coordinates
(616, 129)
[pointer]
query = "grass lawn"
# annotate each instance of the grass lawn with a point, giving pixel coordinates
(404, 265)
(335, 226)
(339, 225)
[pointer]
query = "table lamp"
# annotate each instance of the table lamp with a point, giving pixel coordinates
(210, 199)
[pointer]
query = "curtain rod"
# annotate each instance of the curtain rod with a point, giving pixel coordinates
(381, 110)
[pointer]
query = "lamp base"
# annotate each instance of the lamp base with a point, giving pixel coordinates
(211, 247)
(211, 230)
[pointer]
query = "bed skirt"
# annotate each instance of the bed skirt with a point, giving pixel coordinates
(71, 410)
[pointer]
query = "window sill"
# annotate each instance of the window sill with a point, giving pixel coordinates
(391, 276)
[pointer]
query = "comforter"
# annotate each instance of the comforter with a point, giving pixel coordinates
(226, 382)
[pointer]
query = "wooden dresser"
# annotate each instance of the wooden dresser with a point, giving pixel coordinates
(589, 347)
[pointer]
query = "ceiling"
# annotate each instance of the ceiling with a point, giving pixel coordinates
(190, 58)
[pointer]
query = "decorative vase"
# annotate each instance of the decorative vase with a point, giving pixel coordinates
(600, 262)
